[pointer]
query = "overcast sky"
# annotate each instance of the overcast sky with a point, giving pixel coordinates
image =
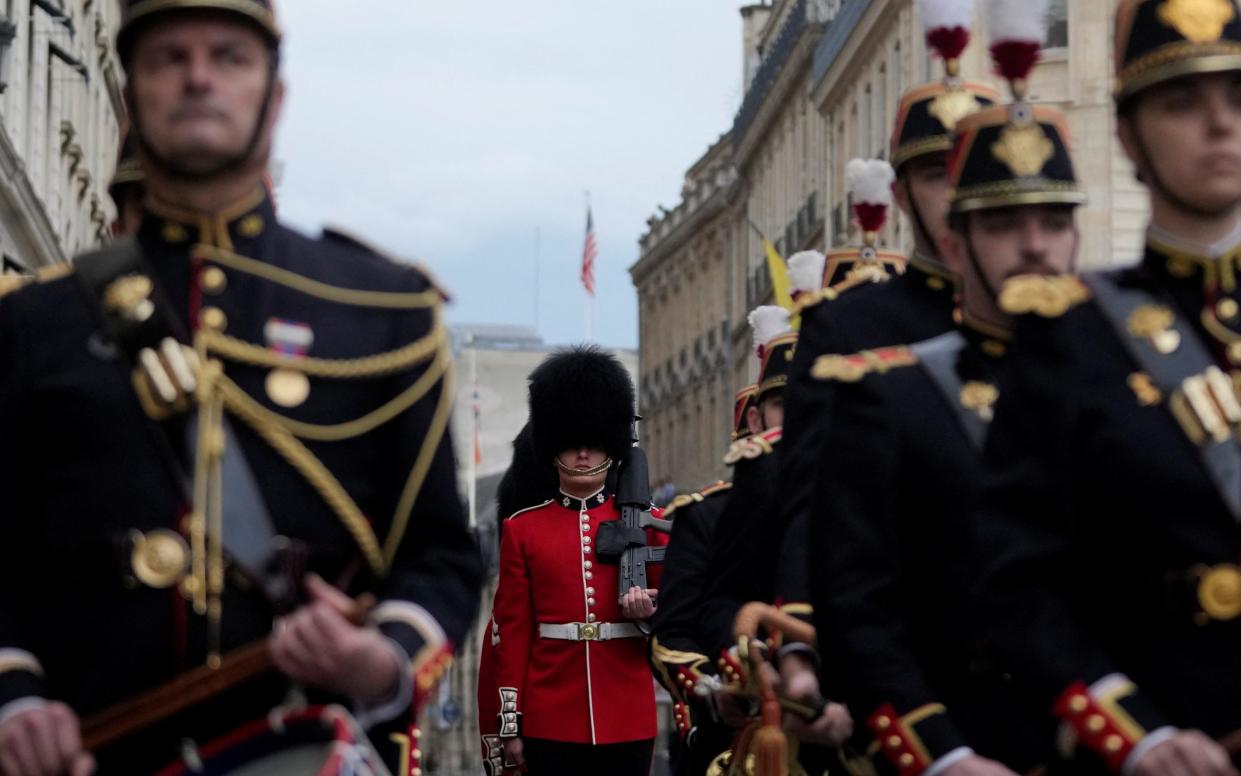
(452, 131)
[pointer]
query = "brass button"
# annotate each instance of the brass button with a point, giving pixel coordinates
(213, 280)
(590, 591)
(894, 742)
(994, 348)
(1180, 267)
(1113, 743)
(1078, 704)
(590, 602)
(1095, 723)
(1227, 309)
(174, 232)
(251, 226)
(884, 722)
(587, 565)
(906, 760)
(213, 318)
(590, 618)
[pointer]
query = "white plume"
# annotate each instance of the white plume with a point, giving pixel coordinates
(768, 322)
(806, 270)
(1017, 20)
(870, 180)
(946, 13)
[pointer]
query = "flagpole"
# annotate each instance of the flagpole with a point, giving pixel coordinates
(474, 441)
(537, 245)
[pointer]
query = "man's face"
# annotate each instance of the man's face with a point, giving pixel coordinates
(582, 459)
(1021, 240)
(197, 86)
(772, 409)
(1188, 133)
(924, 184)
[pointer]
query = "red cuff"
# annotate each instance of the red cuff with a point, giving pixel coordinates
(1099, 728)
(898, 742)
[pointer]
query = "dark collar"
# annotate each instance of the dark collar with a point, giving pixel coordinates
(233, 228)
(581, 505)
(1213, 269)
(932, 274)
(983, 336)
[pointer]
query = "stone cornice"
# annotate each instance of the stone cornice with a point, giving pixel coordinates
(31, 224)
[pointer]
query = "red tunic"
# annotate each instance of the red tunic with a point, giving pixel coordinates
(593, 692)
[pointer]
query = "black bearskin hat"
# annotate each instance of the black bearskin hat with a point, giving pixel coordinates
(527, 482)
(581, 397)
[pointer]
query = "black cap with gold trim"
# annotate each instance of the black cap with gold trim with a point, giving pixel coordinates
(744, 400)
(1015, 154)
(1159, 40)
(999, 161)
(928, 115)
(774, 342)
(140, 12)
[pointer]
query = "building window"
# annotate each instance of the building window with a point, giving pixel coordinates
(1057, 24)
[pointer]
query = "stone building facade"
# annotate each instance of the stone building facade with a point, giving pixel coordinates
(60, 111)
(823, 78)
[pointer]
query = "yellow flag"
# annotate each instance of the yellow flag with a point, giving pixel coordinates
(779, 271)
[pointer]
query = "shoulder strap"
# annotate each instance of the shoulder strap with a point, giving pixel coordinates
(938, 359)
(1183, 375)
(126, 298)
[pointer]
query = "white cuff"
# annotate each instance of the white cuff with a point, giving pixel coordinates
(13, 708)
(1148, 742)
(399, 701)
(947, 761)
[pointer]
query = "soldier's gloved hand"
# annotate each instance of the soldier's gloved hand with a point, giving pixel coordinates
(514, 753)
(798, 678)
(977, 766)
(638, 604)
(1189, 752)
(319, 646)
(833, 727)
(731, 709)
(44, 740)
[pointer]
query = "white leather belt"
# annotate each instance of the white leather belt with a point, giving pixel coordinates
(589, 631)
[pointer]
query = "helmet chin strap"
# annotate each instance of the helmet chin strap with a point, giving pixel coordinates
(916, 213)
(173, 168)
(594, 472)
(976, 265)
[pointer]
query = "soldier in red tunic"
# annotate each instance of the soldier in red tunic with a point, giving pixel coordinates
(576, 694)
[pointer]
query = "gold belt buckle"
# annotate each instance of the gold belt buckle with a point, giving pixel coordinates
(1219, 592)
(587, 631)
(159, 558)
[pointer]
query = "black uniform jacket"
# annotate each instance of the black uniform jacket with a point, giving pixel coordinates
(1101, 523)
(86, 471)
(908, 308)
(893, 567)
(743, 549)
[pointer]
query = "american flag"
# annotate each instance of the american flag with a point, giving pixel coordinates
(590, 251)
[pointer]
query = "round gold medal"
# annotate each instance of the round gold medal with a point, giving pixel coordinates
(1219, 592)
(159, 558)
(288, 387)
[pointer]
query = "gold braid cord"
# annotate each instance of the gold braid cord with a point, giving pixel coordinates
(391, 300)
(285, 435)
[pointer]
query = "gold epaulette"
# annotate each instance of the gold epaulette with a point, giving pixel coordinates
(852, 368)
(808, 299)
(1049, 296)
(753, 446)
(683, 500)
(11, 282)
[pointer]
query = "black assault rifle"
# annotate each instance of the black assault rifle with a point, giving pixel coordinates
(624, 541)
